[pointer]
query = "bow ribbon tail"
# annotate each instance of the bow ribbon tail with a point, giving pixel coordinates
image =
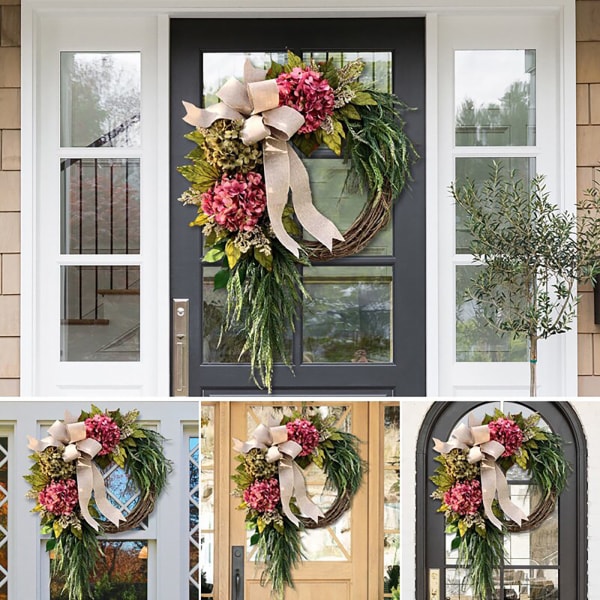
(305, 504)
(286, 488)
(511, 510)
(112, 513)
(318, 225)
(85, 485)
(488, 490)
(277, 180)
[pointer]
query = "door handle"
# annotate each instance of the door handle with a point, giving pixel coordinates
(180, 350)
(434, 584)
(237, 573)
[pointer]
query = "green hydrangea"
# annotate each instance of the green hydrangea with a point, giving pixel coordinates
(257, 465)
(224, 149)
(52, 464)
(459, 467)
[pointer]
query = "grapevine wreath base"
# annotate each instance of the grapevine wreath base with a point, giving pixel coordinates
(68, 486)
(474, 493)
(270, 481)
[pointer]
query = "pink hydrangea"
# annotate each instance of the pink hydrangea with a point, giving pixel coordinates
(263, 495)
(309, 93)
(464, 498)
(303, 432)
(508, 433)
(236, 202)
(59, 497)
(104, 430)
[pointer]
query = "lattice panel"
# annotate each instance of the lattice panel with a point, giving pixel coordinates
(4, 497)
(121, 491)
(194, 515)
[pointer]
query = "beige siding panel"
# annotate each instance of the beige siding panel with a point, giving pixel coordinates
(586, 314)
(588, 20)
(10, 26)
(11, 273)
(10, 190)
(583, 104)
(585, 354)
(10, 232)
(9, 387)
(585, 179)
(11, 150)
(10, 112)
(588, 145)
(9, 316)
(589, 386)
(9, 357)
(10, 67)
(588, 65)
(595, 103)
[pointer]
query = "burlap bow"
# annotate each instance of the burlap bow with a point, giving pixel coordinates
(256, 101)
(71, 436)
(476, 439)
(274, 439)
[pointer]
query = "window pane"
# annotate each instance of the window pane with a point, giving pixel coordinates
(100, 313)
(349, 318)
(531, 584)
(194, 517)
(100, 205)
(495, 97)
(100, 99)
(478, 170)
(391, 496)
(121, 573)
(476, 340)
(4, 518)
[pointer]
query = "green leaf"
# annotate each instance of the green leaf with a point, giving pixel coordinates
(214, 255)
(233, 253)
(254, 539)
(307, 144)
(200, 220)
(274, 70)
(260, 523)
(455, 542)
(200, 174)
(266, 260)
(46, 529)
(57, 529)
(364, 99)
(349, 112)
(221, 279)
(462, 528)
(293, 60)
(50, 544)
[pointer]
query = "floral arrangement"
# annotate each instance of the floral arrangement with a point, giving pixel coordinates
(270, 482)
(68, 487)
(474, 494)
(244, 166)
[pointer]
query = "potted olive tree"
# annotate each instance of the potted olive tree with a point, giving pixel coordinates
(533, 254)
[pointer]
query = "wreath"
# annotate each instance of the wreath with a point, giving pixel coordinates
(243, 168)
(67, 483)
(270, 481)
(474, 493)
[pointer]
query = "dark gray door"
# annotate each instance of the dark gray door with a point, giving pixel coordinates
(364, 331)
(549, 562)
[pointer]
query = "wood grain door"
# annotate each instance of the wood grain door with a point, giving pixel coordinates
(344, 561)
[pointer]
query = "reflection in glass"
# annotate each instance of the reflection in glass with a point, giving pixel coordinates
(539, 583)
(194, 517)
(100, 99)
(349, 318)
(457, 587)
(495, 99)
(121, 490)
(478, 170)
(100, 206)
(100, 313)
(476, 340)
(391, 497)
(4, 518)
(207, 503)
(121, 573)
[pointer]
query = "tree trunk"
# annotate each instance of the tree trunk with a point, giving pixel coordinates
(533, 365)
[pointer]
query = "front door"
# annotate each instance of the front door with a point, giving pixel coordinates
(345, 560)
(364, 330)
(547, 562)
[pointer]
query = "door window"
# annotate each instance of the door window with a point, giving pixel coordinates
(4, 498)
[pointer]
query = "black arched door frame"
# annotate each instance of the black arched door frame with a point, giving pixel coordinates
(562, 418)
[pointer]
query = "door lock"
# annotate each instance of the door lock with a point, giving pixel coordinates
(180, 349)
(237, 573)
(434, 584)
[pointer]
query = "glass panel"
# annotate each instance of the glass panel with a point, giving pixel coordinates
(4, 518)
(391, 497)
(531, 584)
(121, 573)
(457, 587)
(476, 341)
(391, 561)
(194, 517)
(349, 318)
(121, 490)
(495, 97)
(207, 504)
(478, 170)
(219, 348)
(100, 313)
(100, 205)
(100, 99)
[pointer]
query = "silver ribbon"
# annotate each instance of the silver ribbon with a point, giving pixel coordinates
(70, 435)
(475, 438)
(256, 102)
(274, 439)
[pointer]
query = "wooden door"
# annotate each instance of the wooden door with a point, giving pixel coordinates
(344, 561)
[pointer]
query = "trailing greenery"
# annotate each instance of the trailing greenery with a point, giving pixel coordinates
(533, 254)
(264, 304)
(482, 555)
(548, 466)
(282, 552)
(342, 463)
(75, 561)
(378, 147)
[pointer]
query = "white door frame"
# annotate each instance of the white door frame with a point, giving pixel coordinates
(41, 376)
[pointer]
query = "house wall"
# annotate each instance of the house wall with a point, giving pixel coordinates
(10, 165)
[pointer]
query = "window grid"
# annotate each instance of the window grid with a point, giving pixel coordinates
(4, 503)
(194, 516)
(208, 586)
